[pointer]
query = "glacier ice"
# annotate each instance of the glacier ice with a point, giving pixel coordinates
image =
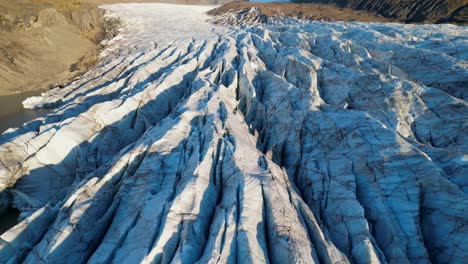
(284, 142)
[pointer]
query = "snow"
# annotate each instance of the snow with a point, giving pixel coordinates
(284, 142)
(161, 25)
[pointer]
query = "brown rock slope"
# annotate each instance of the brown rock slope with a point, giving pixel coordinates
(305, 11)
(46, 42)
(410, 10)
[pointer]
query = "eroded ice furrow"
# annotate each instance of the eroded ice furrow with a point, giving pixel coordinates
(407, 106)
(413, 250)
(287, 142)
(123, 121)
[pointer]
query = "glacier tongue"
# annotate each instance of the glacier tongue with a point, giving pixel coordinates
(285, 142)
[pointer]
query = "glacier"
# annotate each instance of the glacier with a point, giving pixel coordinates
(235, 140)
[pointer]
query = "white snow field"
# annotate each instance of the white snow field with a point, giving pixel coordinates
(291, 142)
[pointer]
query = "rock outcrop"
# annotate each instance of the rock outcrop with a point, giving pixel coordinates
(291, 142)
(250, 13)
(410, 11)
(43, 43)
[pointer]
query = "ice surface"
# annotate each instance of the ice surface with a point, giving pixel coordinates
(285, 142)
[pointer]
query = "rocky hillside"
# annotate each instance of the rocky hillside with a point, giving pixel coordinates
(27, 14)
(46, 42)
(410, 10)
(251, 13)
(290, 141)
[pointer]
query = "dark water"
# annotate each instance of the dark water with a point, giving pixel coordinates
(12, 113)
(8, 219)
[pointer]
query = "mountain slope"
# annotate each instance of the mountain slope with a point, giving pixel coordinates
(286, 142)
(407, 10)
(46, 42)
(304, 11)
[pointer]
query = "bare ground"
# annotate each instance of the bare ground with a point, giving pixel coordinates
(305, 11)
(44, 43)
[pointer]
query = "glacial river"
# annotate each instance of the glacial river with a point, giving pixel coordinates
(12, 113)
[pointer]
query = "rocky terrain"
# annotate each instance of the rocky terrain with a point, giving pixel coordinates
(261, 12)
(43, 43)
(288, 141)
(410, 11)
